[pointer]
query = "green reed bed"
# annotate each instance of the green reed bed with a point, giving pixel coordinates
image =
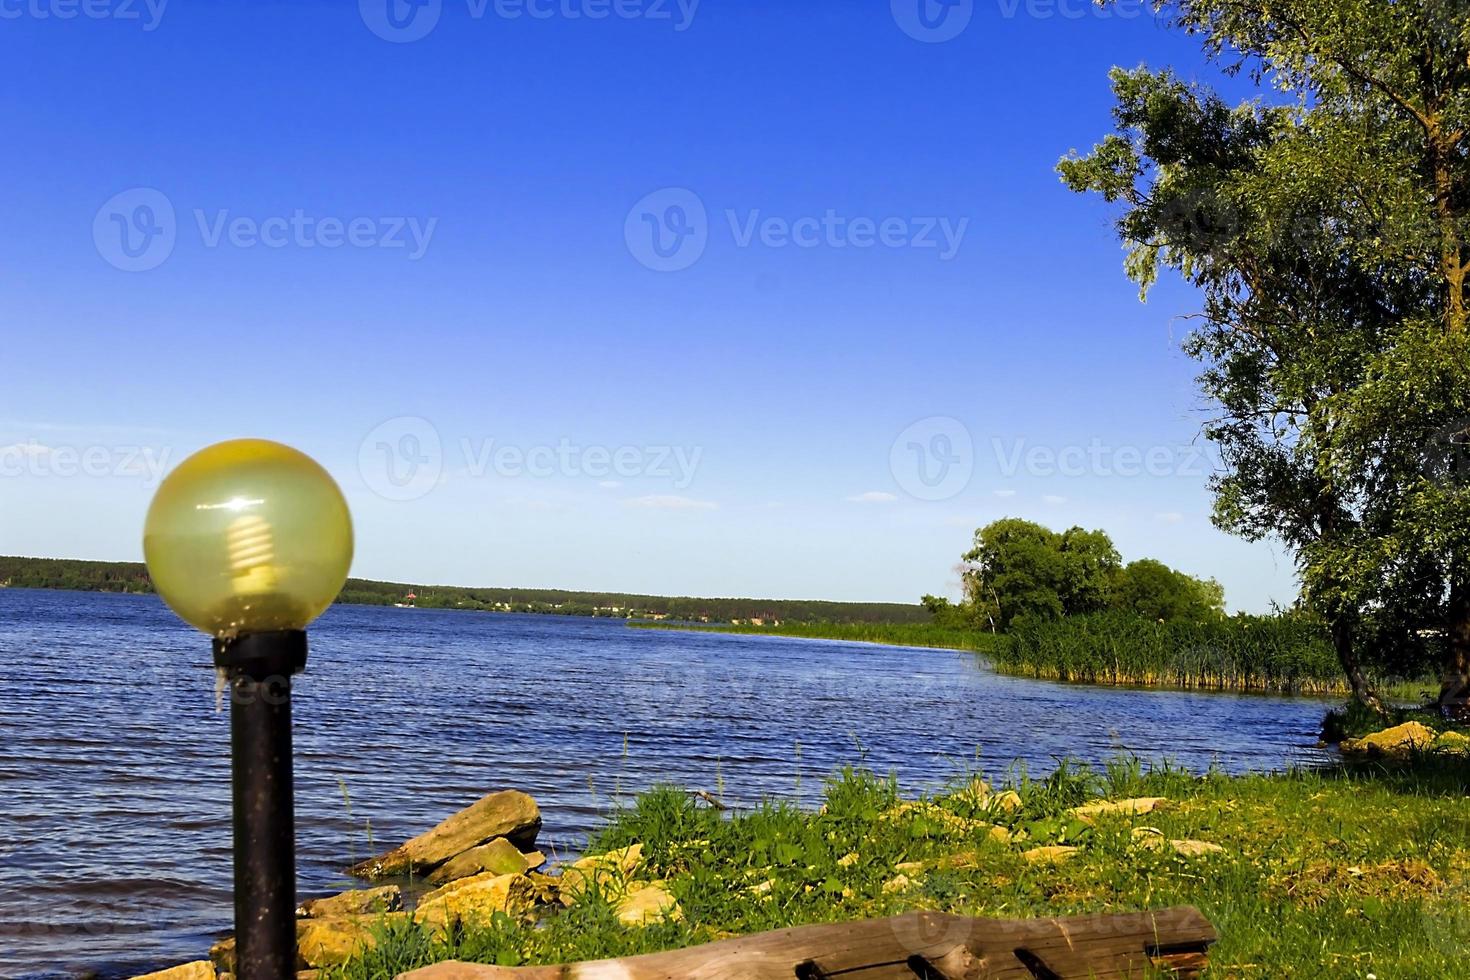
(1349, 873)
(1240, 653)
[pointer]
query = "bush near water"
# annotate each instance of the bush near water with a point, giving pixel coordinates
(1243, 653)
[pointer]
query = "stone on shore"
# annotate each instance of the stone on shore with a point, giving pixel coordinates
(1153, 839)
(1007, 801)
(319, 942)
(1451, 743)
(499, 856)
(362, 901)
(1113, 808)
(599, 870)
(647, 903)
(509, 813)
(477, 897)
(1055, 854)
(1397, 741)
(198, 970)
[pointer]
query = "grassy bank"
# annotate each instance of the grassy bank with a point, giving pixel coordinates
(1239, 653)
(1345, 874)
(894, 634)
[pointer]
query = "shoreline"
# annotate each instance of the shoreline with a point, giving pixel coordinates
(1404, 693)
(1265, 857)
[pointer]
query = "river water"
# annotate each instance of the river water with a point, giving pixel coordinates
(114, 764)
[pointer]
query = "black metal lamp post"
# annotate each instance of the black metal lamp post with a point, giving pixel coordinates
(250, 541)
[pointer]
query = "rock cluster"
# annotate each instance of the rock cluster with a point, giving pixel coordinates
(1402, 741)
(482, 861)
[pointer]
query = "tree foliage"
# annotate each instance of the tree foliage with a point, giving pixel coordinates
(1019, 571)
(1325, 225)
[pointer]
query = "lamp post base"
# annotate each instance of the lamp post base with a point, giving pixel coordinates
(258, 667)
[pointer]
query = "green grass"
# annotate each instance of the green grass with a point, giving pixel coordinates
(893, 634)
(1239, 653)
(1341, 873)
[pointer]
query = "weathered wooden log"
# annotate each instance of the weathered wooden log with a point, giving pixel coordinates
(928, 945)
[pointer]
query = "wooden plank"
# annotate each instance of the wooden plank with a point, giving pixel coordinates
(928, 945)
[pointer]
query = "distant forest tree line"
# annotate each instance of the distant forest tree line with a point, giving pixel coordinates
(132, 577)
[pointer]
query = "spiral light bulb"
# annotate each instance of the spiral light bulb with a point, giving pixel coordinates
(248, 536)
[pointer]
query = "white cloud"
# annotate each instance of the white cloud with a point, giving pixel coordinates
(1052, 498)
(670, 501)
(1004, 493)
(874, 497)
(1169, 517)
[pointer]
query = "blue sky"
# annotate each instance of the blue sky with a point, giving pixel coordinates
(425, 254)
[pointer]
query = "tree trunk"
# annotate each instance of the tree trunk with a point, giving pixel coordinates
(1454, 690)
(1342, 641)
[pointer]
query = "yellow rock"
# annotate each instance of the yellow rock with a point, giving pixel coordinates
(647, 903)
(600, 869)
(479, 896)
(359, 902)
(1000, 835)
(1153, 840)
(1006, 802)
(1054, 854)
(1195, 848)
(319, 942)
(904, 867)
(947, 821)
(1112, 808)
(509, 813)
(897, 883)
(199, 970)
(499, 856)
(332, 942)
(1451, 743)
(1399, 740)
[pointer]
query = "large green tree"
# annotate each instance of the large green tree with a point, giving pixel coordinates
(1151, 589)
(1324, 224)
(1018, 569)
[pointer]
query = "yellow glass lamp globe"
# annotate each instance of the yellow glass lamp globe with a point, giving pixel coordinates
(248, 536)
